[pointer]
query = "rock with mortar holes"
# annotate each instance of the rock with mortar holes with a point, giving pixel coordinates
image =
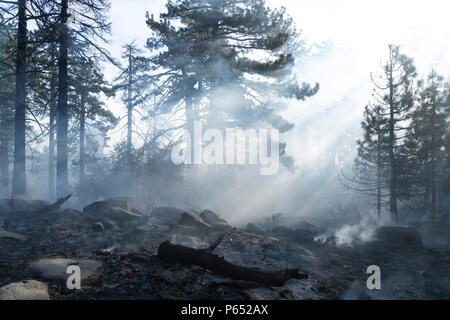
(211, 217)
(56, 268)
(12, 235)
(98, 227)
(167, 214)
(25, 290)
(191, 219)
(398, 237)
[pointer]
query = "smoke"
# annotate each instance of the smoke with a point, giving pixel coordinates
(351, 234)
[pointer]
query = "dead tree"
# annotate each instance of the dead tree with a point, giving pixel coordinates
(206, 259)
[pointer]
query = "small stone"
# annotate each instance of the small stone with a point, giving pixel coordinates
(25, 290)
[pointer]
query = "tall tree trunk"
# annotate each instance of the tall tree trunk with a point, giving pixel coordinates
(379, 173)
(4, 164)
(433, 170)
(82, 147)
(19, 172)
(130, 107)
(51, 135)
(62, 183)
(393, 179)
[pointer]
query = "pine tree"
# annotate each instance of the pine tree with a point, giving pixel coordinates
(19, 171)
(87, 86)
(424, 149)
(208, 67)
(370, 174)
(395, 92)
(134, 82)
(7, 88)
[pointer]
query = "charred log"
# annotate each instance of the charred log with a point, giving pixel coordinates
(53, 206)
(206, 259)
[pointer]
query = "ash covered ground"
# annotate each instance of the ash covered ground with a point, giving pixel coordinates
(116, 246)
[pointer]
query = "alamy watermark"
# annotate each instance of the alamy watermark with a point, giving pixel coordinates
(374, 281)
(235, 147)
(74, 280)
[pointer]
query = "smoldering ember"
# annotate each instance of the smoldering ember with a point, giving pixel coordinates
(118, 180)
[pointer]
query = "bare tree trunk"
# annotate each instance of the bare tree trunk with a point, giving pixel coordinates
(433, 173)
(82, 147)
(130, 107)
(4, 164)
(19, 172)
(379, 173)
(62, 182)
(393, 181)
(51, 135)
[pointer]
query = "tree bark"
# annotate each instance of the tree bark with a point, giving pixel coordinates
(19, 171)
(62, 183)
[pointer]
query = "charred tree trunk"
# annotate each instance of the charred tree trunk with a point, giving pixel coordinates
(393, 167)
(82, 147)
(19, 171)
(433, 170)
(379, 173)
(206, 259)
(130, 107)
(4, 164)
(62, 183)
(51, 134)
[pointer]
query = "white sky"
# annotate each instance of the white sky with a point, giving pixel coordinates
(360, 31)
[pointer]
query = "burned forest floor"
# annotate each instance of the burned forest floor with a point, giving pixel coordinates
(116, 249)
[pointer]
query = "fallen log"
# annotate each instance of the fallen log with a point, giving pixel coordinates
(206, 259)
(53, 206)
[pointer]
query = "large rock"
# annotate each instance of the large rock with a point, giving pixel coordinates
(168, 214)
(25, 290)
(211, 217)
(398, 236)
(303, 225)
(305, 231)
(118, 209)
(191, 219)
(56, 268)
(20, 204)
(221, 226)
